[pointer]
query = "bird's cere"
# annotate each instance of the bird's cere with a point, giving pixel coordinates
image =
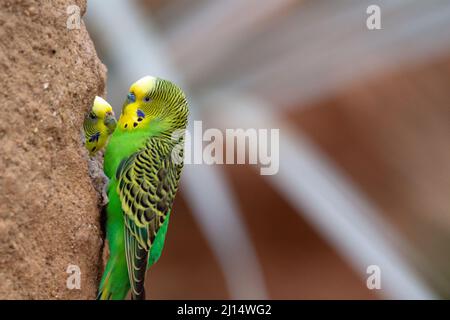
(131, 97)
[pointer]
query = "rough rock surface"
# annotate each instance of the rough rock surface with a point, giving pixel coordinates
(49, 217)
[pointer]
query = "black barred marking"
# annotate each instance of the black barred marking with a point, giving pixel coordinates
(146, 191)
(161, 206)
(167, 102)
(90, 126)
(162, 173)
(145, 186)
(139, 164)
(94, 137)
(136, 256)
(134, 191)
(139, 214)
(149, 214)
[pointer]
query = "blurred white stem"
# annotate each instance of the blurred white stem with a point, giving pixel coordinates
(327, 200)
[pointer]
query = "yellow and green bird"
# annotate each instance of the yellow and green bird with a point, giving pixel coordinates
(142, 162)
(98, 125)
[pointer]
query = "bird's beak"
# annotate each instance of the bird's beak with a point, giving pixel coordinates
(110, 121)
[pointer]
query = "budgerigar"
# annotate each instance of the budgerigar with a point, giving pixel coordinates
(98, 125)
(143, 161)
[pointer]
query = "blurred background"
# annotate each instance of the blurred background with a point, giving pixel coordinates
(364, 119)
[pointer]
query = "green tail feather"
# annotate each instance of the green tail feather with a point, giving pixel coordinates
(114, 284)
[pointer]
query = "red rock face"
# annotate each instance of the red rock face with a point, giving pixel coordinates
(49, 76)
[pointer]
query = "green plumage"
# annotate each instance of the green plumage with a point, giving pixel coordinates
(141, 161)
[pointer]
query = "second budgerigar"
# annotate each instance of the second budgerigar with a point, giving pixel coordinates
(98, 125)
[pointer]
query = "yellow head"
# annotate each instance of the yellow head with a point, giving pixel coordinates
(98, 125)
(101, 108)
(153, 102)
(138, 97)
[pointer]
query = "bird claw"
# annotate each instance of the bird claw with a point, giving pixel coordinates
(99, 178)
(105, 198)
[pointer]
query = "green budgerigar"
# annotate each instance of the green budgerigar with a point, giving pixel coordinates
(143, 161)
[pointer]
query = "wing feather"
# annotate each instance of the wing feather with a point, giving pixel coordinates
(147, 184)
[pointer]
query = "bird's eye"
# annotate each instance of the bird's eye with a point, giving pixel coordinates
(147, 99)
